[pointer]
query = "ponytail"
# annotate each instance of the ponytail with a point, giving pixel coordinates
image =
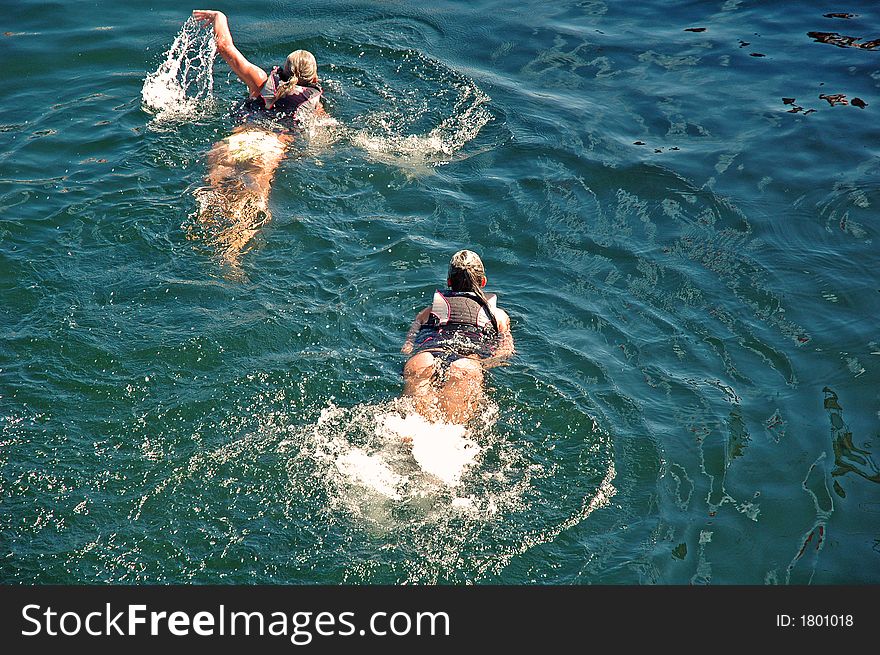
(286, 87)
(466, 274)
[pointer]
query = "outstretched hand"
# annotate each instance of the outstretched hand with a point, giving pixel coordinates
(206, 16)
(253, 76)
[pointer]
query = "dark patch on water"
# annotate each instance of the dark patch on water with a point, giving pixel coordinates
(848, 458)
(656, 150)
(775, 427)
(819, 533)
(795, 109)
(738, 437)
(834, 98)
(858, 102)
(843, 41)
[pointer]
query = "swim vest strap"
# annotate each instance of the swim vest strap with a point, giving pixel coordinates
(304, 93)
(457, 308)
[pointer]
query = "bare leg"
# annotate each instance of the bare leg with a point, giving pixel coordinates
(417, 383)
(240, 172)
(460, 398)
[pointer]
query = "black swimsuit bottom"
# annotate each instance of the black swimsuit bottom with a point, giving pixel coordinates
(451, 344)
(458, 342)
(443, 359)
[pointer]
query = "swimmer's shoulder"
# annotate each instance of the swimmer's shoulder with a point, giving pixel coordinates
(503, 320)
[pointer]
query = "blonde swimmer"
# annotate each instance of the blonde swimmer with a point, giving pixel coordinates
(451, 342)
(234, 204)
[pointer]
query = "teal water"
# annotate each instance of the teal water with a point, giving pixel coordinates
(689, 262)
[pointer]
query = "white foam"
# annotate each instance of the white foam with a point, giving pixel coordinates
(255, 144)
(440, 449)
(398, 474)
(413, 146)
(370, 471)
(184, 82)
(384, 142)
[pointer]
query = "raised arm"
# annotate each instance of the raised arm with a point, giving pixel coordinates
(254, 76)
(414, 328)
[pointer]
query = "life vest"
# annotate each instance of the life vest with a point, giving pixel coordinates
(460, 323)
(299, 96)
(462, 309)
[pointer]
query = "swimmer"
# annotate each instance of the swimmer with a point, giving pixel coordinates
(454, 340)
(241, 167)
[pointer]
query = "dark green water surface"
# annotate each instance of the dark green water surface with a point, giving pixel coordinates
(689, 262)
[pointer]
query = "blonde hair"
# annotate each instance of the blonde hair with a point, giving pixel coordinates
(467, 273)
(301, 64)
(300, 67)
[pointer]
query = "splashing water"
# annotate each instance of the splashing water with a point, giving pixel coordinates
(440, 449)
(387, 451)
(431, 493)
(382, 139)
(422, 111)
(442, 452)
(184, 82)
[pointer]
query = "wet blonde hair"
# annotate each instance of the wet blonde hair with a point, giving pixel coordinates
(301, 64)
(466, 273)
(301, 68)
